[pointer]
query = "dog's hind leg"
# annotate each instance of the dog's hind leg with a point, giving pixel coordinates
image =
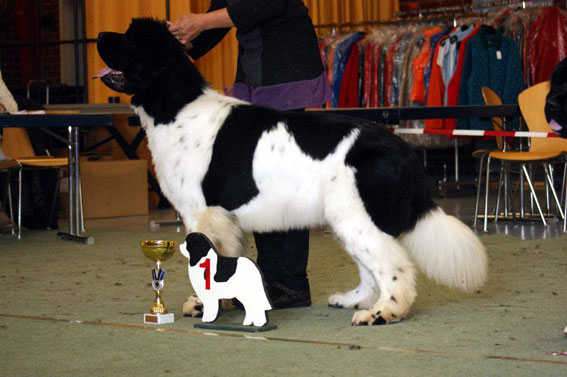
(379, 253)
(361, 297)
(389, 265)
(395, 276)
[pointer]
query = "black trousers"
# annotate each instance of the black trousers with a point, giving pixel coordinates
(282, 257)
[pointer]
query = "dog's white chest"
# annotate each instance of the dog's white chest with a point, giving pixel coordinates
(182, 150)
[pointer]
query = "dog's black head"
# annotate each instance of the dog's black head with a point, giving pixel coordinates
(148, 62)
(556, 101)
(195, 247)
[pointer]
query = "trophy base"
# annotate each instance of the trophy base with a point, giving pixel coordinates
(158, 319)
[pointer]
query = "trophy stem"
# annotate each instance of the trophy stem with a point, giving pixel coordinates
(158, 307)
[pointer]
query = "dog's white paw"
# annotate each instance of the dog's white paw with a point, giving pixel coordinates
(336, 300)
(193, 307)
(352, 300)
(383, 316)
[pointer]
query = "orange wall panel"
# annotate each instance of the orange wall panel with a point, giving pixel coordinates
(219, 65)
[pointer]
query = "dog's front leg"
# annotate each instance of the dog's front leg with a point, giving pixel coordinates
(361, 297)
(222, 228)
(193, 307)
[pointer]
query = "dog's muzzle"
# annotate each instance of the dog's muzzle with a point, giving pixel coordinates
(113, 79)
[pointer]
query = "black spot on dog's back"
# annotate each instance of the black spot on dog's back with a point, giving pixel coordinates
(390, 180)
(226, 267)
(229, 182)
(319, 134)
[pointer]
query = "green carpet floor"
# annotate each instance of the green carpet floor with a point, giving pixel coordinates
(69, 309)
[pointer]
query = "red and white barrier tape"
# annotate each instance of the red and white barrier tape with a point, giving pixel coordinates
(477, 133)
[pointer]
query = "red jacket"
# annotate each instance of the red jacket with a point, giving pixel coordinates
(547, 44)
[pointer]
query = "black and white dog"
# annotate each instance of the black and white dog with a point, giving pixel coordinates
(227, 165)
(556, 101)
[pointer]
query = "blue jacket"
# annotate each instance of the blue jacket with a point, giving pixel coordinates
(491, 60)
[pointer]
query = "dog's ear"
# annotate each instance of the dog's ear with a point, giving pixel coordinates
(198, 245)
(110, 47)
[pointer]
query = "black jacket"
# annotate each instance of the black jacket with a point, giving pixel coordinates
(277, 42)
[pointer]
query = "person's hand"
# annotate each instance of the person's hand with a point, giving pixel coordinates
(187, 27)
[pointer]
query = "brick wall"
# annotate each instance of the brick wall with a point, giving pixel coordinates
(8, 56)
(18, 25)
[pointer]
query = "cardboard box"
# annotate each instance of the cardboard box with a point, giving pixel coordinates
(114, 188)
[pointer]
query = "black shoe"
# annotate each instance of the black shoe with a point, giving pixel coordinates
(283, 297)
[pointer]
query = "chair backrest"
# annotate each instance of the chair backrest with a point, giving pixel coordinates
(532, 106)
(491, 98)
(16, 143)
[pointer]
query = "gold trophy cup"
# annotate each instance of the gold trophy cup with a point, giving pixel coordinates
(158, 251)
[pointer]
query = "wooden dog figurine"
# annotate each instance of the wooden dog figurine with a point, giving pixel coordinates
(215, 277)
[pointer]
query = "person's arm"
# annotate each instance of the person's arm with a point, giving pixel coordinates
(191, 25)
(6, 98)
(201, 32)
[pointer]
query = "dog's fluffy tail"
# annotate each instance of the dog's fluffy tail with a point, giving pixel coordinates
(222, 228)
(447, 251)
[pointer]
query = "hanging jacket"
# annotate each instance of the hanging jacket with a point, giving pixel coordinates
(455, 82)
(491, 60)
(342, 53)
(348, 96)
(436, 87)
(420, 63)
(547, 44)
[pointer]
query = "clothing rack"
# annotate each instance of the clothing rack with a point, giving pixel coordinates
(411, 116)
(358, 24)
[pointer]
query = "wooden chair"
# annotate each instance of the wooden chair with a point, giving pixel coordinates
(542, 150)
(17, 146)
(490, 98)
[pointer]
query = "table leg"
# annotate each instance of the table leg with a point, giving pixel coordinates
(74, 191)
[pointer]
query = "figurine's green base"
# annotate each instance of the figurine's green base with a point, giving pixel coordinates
(229, 327)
